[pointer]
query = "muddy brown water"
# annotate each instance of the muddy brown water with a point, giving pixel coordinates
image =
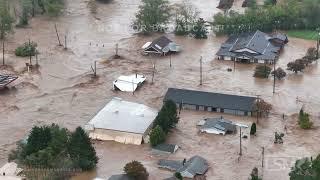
(63, 92)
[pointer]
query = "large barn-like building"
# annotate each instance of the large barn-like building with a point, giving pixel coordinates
(213, 102)
(122, 121)
(256, 47)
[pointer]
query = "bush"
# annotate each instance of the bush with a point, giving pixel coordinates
(304, 120)
(136, 170)
(262, 71)
(199, 30)
(296, 66)
(178, 176)
(157, 136)
(306, 169)
(254, 174)
(253, 129)
(27, 49)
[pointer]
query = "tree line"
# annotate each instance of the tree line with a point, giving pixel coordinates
(287, 15)
(56, 148)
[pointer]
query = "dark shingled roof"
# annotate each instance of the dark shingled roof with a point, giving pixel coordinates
(160, 43)
(217, 100)
(258, 42)
(225, 4)
(6, 79)
(196, 165)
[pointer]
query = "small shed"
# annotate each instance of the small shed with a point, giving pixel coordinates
(161, 45)
(165, 148)
(129, 83)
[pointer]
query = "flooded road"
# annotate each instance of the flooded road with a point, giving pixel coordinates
(62, 91)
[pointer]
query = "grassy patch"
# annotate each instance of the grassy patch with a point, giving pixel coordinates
(303, 34)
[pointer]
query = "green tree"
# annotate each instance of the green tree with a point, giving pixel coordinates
(186, 17)
(306, 169)
(157, 136)
(38, 139)
(6, 20)
(296, 66)
(153, 16)
(279, 73)
(52, 7)
(178, 176)
(26, 49)
(304, 120)
(254, 174)
(167, 116)
(262, 71)
(26, 6)
(199, 30)
(81, 150)
(136, 170)
(253, 129)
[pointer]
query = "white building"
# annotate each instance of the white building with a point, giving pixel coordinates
(122, 121)
(128, 83)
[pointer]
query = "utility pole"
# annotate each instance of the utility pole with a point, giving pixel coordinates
(262, 159)
(274, 76)
(153, 71)
(117, 49)
(318, 43)
(234, 64)
(30, 53)
(55, 26)
(258, 108)
(65, 42)
(201, 70)
(170, 61)
(240, 143)
(3, 52)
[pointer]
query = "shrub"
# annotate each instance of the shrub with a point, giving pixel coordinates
(262, 71)
(136, 170)
(296, 66)
(178, 176)
(306, 169)
(27, 49)
(253, 129)
(157, 136)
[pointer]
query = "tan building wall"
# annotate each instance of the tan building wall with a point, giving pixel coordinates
(118, 136)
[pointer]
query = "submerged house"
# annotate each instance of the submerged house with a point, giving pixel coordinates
(217, 126)
(165, 148)
(196, 165)
(256, 47)
(213, 102)
(122, 121)
(161, 46)
(6, 79)
(128, 83)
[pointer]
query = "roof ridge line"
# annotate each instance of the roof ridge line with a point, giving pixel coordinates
(251, 39)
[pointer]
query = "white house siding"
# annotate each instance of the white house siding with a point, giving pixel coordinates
(118, 136)
(261, 61)
(227, 58)
(188, 106)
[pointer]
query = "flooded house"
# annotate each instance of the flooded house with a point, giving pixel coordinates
(213, 102)
(256, 47)
(161, 46)
(122, 121)
(6, 79)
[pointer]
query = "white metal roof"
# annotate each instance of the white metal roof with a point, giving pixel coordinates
(129, 83)
(124, 116)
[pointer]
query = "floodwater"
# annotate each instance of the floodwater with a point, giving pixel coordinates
(62, 91)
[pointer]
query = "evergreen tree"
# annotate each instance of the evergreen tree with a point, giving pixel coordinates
(253, 129)
(6, 20)
(81, 151)
(304, 120)
(153, 16)
(38, 139)
(306, 169)
(157, 136)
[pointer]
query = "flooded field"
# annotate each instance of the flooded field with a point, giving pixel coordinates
(63, 92)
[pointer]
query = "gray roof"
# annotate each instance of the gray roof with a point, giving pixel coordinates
(170, 164)
(160, 43)
(168, 148)
(120, 177)
(220, 124)
(6, 79)
(217, 100)
(197, 165)
(259, 42)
